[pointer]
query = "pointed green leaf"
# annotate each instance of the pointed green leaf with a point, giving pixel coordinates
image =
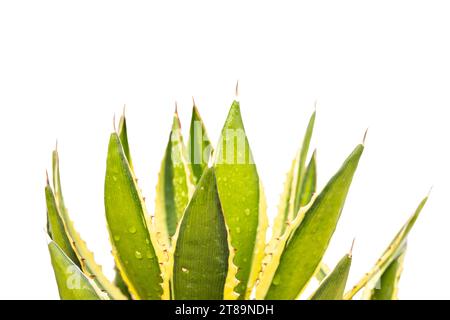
(297, 191)
(175, 185)
(332, 288)
(72, 283)
(201, 254)
(132, 243)
(123, 136)
(88, 265)
(393, 251)
(199, 146)
(308, 241)
(242, 200)
(56, 229)
(301, 167)
(387, 287)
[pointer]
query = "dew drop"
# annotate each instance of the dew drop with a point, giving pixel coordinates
(238, 230)
(247, 212)
(117, 238)
(184, 270)
(132, 229)
(114, 178)
(276, 280)
(138, 255)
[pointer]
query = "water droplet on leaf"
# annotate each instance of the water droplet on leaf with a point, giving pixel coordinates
(132, 229)
(138, 255)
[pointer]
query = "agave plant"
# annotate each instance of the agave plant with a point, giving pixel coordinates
(207, 237)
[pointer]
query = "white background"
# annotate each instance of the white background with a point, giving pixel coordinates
(66, 68)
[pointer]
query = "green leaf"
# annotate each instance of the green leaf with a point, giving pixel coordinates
(133, 246)
(299, 186)
(309, 237)
(123, 136)
(199, 146)
(298, 189)
(393, 251)
(175, 185)
(72, 283)
(332, 288)
(242, 200)
(56, 229)
(201, 254)
(387, 287)
(88, 265)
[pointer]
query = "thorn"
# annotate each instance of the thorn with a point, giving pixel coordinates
(365, 135)
(429, 192)
(123, 110)
(114, 123)
(56, 145)
(193, 101)
(176, 108)
(237, 89)
(315, 105)
(351, 248)
(46, 176)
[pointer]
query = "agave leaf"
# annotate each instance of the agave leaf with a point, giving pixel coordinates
(393, 251)
(199, 146)
(298, 183)
(297, 191)
(88, 264)
(201, 254)
(242, 200)
(333, 287)
(175, 185)
(72, 283)
(123, 136)
(133, 246)
(56, 229)
(387, 286)
(301, 251)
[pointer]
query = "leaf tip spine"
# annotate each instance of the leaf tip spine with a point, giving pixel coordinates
(350, 253)
(429, 191)
(365, 136)
(47, 180)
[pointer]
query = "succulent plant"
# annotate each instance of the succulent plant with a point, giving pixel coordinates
(207, 237)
